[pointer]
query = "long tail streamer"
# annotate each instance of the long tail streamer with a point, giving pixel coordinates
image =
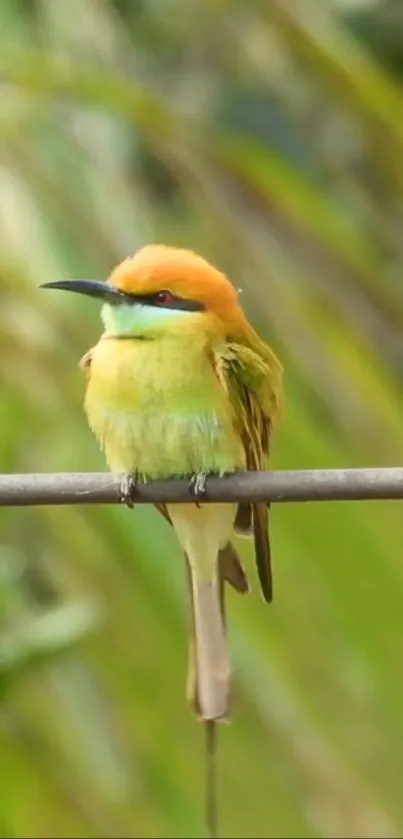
(211, 813)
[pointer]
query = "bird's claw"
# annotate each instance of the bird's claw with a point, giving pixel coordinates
(128, 488)
(197, 485)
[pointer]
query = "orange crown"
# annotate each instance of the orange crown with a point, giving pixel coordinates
(182, 272)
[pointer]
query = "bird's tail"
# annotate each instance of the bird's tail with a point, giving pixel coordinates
(208, 684)
(202, 531)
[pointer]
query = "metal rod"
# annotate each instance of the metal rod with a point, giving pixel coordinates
(296, 485)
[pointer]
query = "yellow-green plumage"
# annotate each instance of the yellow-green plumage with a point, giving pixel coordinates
(158, 408)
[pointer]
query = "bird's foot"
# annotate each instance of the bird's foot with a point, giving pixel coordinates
(128, 488)
(197, 486)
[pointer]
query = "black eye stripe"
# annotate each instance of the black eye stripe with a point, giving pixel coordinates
(174, 302)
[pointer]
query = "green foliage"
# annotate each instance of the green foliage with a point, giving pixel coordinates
(269, 138)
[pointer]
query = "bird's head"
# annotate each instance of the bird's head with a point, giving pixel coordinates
(161, 290)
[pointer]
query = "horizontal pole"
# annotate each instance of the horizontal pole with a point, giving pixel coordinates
(281, 486)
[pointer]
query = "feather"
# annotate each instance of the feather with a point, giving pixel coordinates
(85, 363)
(201, 530)
(208, 653)
(243, 520)
(229, 563)
(231, 570)
(207, 636)
(195, 667)
(251, 382)
(260, 514)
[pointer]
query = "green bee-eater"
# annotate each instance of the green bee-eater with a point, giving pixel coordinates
(180, 384)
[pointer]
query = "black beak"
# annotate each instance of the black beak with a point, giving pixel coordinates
(92, 288)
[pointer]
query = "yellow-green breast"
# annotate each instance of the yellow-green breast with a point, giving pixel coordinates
(157, 407)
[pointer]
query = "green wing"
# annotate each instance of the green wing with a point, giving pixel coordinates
(252, 381)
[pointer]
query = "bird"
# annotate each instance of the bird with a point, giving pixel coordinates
(181, 385)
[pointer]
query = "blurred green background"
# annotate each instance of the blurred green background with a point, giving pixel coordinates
(269, 137)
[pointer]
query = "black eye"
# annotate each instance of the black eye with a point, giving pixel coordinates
(164, 298)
